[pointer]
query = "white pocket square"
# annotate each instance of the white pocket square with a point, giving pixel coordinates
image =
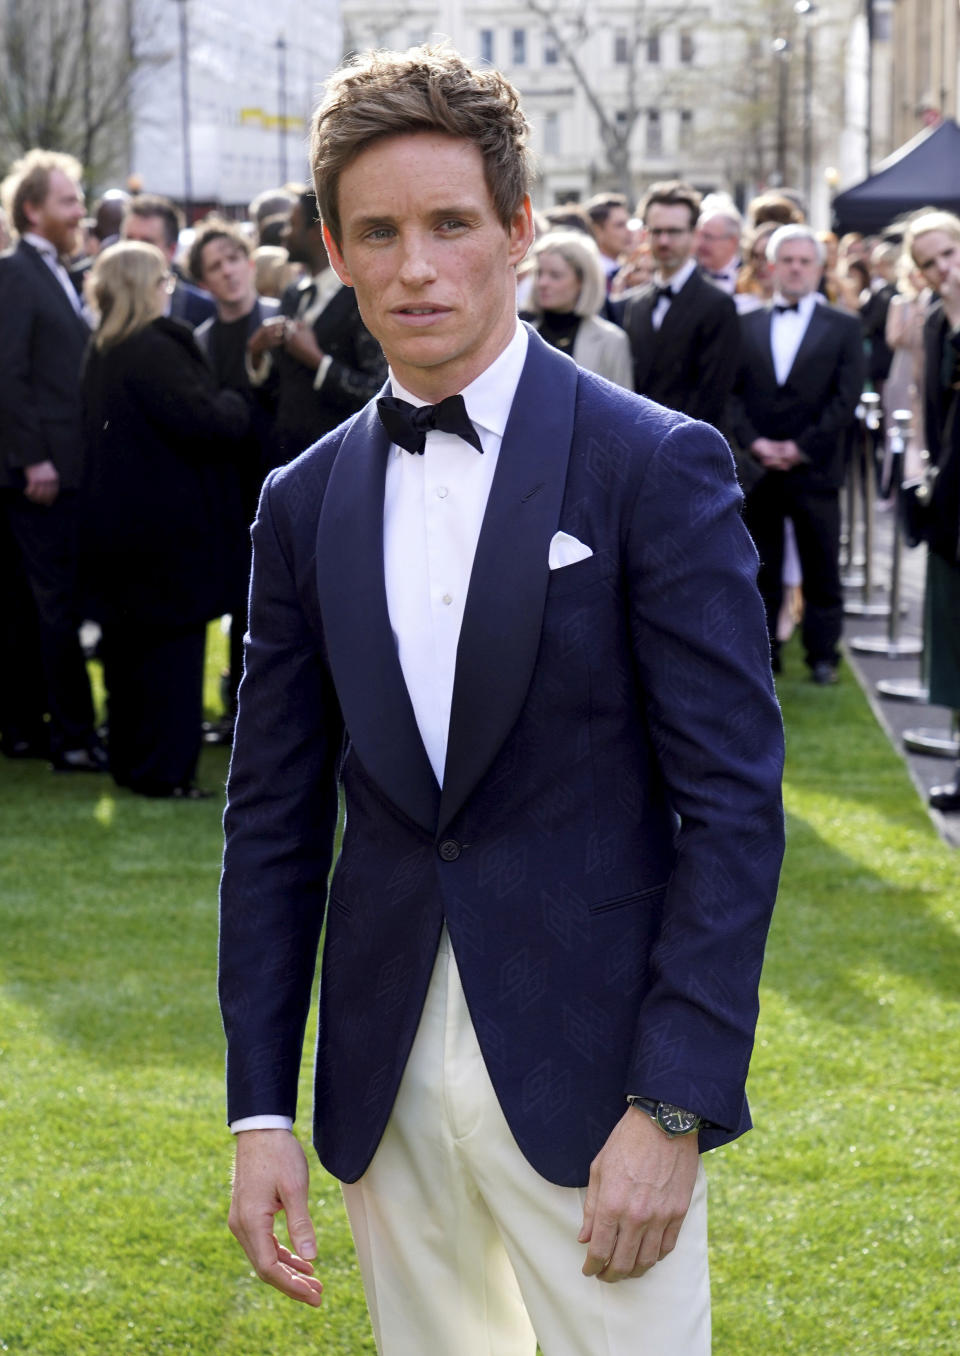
(566, 550)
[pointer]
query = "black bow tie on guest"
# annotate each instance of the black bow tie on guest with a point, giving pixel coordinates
(665, 292)
(782, 306)
(408, 425)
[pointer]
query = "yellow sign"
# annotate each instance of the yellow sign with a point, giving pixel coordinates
(259, 117)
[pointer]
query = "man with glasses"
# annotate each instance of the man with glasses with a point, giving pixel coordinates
(718, 241)
(682, 329)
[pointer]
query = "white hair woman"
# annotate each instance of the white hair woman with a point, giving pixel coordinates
(569, 288)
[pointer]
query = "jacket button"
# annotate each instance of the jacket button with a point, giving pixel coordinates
(449, 850)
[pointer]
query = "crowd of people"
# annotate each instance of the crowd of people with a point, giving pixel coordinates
(155, 375)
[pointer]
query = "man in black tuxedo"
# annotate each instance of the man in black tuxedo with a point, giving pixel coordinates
(328, 363)
(683, 330)
(154, 220)
(222, 263)
(800, 376)
(43, 335)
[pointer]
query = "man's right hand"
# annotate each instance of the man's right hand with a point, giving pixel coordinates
(42, 483)
(271, 1175)
(270, 335)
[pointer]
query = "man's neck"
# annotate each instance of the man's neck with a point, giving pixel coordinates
(228, 311)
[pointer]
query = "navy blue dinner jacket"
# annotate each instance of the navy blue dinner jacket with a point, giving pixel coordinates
(606, 846)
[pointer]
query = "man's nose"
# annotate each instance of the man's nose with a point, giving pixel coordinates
(417, 266)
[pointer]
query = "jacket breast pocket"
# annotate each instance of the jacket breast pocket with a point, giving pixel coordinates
(595, 569)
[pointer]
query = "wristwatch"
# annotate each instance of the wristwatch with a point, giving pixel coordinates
(672, 1120)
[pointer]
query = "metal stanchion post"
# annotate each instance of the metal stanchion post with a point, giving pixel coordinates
(865, 606)
(852, 563)
(902, 689)
(940, 743)
(893, 646)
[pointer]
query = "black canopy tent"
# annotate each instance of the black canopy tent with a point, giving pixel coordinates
(923, 173)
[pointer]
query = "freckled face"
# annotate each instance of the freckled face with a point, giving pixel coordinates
(430, 261)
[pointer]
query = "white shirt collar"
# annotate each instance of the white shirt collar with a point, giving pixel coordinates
(489, 397)
(41, 244)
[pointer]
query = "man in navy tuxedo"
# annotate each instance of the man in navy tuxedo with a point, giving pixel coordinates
(512, 610)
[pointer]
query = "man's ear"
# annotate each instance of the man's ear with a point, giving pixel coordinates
(336, 258)
(521, 231)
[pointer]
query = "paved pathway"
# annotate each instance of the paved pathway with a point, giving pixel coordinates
(898, 716)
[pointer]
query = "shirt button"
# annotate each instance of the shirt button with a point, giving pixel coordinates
(442, 491)
(447, 599)
(449, 850)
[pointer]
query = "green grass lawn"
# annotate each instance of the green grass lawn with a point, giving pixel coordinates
(835, 1226)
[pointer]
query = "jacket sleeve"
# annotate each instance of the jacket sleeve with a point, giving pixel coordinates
(178, 393)
(352, 385)
(21, 435)
(718, 347)
(837, 411)
(701, 649)
(280, 821)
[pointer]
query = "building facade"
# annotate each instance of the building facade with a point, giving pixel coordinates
(253, 73)
(620, 93)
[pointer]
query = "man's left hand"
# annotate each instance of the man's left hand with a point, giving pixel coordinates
(640, 1187)
(301, 344)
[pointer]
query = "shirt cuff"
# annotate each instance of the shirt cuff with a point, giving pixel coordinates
(322, 371)
(261, 1123)
(258, 375)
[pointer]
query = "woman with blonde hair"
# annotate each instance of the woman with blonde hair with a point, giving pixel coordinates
(161, 518)
(569, 288)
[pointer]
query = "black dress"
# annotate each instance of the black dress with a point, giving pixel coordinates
(162, 531)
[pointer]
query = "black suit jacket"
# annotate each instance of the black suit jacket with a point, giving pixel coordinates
(942, 419)
(191, 305)
(689, 363)
(873, 318)
(815, 405)
(356, 374)
(42, 341)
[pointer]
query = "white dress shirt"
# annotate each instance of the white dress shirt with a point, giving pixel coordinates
(675, 283)
(433, 507)
(48, 252)
(787, 329)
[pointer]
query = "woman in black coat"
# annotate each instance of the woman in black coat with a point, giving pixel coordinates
(162, 525)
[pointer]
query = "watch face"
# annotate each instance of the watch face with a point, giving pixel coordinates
(675, 1120)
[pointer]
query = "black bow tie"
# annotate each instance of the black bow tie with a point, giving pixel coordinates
(782, 306)
(665, 292)
(408, 425)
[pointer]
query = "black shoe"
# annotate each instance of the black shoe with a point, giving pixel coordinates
(946, 798)
(24, 748)
(190, 793)
(824, 674)
(92, 759)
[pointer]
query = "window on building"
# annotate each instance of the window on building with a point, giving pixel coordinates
(486, 45)
(686, 48)
(551, 52)
(519, 46)
(621, 50)
(653, 49)
(551, 134)
(654, 132)
(685, 135)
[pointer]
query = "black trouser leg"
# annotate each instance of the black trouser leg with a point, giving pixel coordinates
(764, 514)
(155, 702)
(816, 524)
(47, 541)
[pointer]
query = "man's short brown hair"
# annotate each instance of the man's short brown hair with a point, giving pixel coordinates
(29, 182)
(599, 207)
(426, 89)
(214, 228)
(155, 205)
(671, 193)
